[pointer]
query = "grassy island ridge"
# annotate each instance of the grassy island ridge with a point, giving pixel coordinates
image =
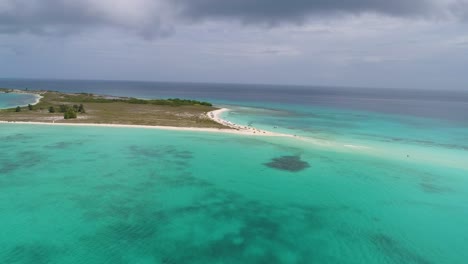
(101, 109)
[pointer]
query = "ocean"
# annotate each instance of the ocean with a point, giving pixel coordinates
(374, 176)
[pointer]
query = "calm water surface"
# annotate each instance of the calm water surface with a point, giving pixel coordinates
(10, 100)
(376, 177)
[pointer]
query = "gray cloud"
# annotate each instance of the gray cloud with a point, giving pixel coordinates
(274, 12)
(153, 18)
(145, 17)
(460, 9)
(39, 17)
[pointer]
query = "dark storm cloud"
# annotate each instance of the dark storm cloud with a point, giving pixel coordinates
(274, 12)
(37, 16)
(65, 16)
(152, 18)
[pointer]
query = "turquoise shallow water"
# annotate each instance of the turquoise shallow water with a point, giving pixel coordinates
(9, 100)
(376, 176)
(121, 195)
(381, 134)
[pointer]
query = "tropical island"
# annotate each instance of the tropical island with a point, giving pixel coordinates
(59, 107)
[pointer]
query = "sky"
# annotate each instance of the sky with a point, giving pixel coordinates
(363, 43)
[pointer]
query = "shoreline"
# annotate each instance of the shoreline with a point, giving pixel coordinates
(213, 115)
(38, 98)
(236, 129)
(196, 129)
(216, 116)
(37, 95)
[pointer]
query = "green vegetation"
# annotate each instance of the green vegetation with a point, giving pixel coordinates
(68, 111)
(89, 108)
(30, 107)
(18, 109)
(79, 108)
(90, 98)
(63, 108)
(169, 102)
(69, 114)
(5, 90)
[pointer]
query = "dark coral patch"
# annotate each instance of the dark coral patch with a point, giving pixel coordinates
(396, 252)
(30, 253)
(63, 145)
(288, 163)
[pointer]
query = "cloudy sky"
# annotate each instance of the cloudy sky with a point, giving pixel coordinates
(367, 43)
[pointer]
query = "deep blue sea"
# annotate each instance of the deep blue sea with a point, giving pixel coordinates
(374, 176)
(442, 104)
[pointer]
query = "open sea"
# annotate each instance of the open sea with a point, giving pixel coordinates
(373, 176)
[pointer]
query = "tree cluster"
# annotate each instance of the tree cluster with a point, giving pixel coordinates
(18, 108)
(69, 111)
(169, 102)
(91, 98)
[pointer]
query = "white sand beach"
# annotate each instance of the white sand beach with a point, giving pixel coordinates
(38, 99)
(214, 115)
(229, 131)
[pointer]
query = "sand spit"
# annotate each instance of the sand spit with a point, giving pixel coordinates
(216, 116)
